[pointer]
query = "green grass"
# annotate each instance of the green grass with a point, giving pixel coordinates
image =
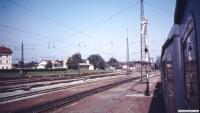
(52, 72)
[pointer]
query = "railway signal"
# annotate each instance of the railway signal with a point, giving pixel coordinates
(144, 49)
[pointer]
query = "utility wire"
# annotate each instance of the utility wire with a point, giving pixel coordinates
(109, 18)
(156, 7)
(47, 18)
(41, 15)
(78, 31)
(55, 21)
(38, 35)
(42, 36)
(59, 23)
(26, 32)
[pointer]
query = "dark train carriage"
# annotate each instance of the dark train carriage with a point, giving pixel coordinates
(180, 59)
(172, 71)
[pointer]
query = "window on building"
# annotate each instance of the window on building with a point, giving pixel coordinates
(190, 68)
(6, 61)
(0, 61)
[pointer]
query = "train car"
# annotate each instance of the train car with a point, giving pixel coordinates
(180, 59)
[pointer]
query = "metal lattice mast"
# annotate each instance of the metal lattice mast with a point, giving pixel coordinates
(144, 49)
(22, 59)
(141, 39)
(127, 47)
(144, 44)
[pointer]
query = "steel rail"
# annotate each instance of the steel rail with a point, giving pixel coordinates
(48, 90)
(69, 99)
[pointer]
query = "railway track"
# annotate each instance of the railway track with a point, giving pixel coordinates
(49, 90)
(69, 99)
(46, 106)
(51, 82)
(26, 79)
(28, 87)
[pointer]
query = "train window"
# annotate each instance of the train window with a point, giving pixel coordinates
(170, 82)
(190, 67)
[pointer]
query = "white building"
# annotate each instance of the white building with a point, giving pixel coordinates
(86, 66)
(42, 64)
(124, 67)
(5, 58)
(65, 62)
(55, 64)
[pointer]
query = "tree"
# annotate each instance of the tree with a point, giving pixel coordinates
(49, 65)
(113, 62)
(31, 64)
(97, 61)
(157, 63)
(74, 60)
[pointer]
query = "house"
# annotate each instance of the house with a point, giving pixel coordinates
(86, 66)
(5, 58)
(42, 64)
(65, 62)
(55, 64)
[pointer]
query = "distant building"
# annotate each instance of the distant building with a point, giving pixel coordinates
(5, 58)
(86, 66)
(65, 62)
(55, 64)
(30, 65)
(124, 66)
(42, 64)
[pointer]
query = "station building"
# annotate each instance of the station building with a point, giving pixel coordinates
(86, 66)
(5, 58)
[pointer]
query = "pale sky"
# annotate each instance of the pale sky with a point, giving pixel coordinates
(55, 29)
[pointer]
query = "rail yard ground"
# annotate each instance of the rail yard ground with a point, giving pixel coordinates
(119, 93)
(47, 72)
(126, 98)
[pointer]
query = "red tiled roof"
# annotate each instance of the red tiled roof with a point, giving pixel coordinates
(5, 50)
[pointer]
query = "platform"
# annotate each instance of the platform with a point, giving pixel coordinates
(126, 98)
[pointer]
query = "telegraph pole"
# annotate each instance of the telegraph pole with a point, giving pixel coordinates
(22, 59)
(127, 47)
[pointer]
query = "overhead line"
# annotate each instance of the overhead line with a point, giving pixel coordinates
(78, 31)
(110, 17)
(36, 37)
(20, 30)
(53, 40)
(47, 18)
(41, 15)
(156, 7)
(55, 21)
